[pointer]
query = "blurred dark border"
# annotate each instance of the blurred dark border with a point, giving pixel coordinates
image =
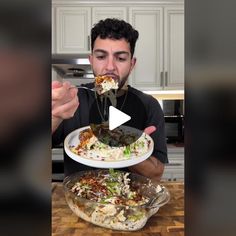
(25, 78)
(210, 88)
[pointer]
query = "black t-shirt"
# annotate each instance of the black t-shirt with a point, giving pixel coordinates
(143, 109)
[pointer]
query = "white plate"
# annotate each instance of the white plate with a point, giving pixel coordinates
(72, 139)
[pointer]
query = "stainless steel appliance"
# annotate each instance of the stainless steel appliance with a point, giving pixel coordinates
(174, 120)
(74, 68)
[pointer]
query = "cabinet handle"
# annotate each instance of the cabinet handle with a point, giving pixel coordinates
(166, 78)
(162, 79)
(88, 42)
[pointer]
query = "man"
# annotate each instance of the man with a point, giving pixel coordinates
(113, 43)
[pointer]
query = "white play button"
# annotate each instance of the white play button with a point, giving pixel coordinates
(116, 118)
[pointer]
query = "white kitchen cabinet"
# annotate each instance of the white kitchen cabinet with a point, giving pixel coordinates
(101, 13)
(73, 26)
(160, 48)
(149, 47)
(174, 47)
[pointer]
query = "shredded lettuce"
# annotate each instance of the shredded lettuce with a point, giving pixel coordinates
(127, 151)
(114, 174)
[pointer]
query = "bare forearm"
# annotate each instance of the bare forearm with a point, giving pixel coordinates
(151, 168)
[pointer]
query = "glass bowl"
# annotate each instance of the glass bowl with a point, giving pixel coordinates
(141, 198)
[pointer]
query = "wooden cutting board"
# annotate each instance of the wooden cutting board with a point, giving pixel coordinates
(168, 221)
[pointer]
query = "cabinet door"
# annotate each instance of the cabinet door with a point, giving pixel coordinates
(101, 13)
(149, 47)
(174, 47)
(73, 29)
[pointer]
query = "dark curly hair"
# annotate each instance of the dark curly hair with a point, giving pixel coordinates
(115, 29)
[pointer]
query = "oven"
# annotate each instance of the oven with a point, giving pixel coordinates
(174, 127)
(174, 120)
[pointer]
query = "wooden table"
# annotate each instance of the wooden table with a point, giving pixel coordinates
(168, 221)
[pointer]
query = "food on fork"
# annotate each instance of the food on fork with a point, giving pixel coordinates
(104, 83)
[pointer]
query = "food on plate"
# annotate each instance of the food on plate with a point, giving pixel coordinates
(105, 83)
(113, 199)
(100, 143)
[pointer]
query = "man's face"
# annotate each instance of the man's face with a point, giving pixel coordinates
(112, 58)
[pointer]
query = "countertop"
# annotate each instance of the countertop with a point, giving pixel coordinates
(168, 221)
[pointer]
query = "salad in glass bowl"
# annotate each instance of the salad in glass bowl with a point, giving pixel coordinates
(114, 199)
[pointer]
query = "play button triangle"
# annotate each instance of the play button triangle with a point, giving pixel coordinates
(117, 118)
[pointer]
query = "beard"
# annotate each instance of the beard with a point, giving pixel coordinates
(122, 81)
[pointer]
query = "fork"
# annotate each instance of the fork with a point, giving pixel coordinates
(152, 200)
(83, 87)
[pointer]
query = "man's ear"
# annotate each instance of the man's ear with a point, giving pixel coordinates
(91, 59)
(133, 62)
